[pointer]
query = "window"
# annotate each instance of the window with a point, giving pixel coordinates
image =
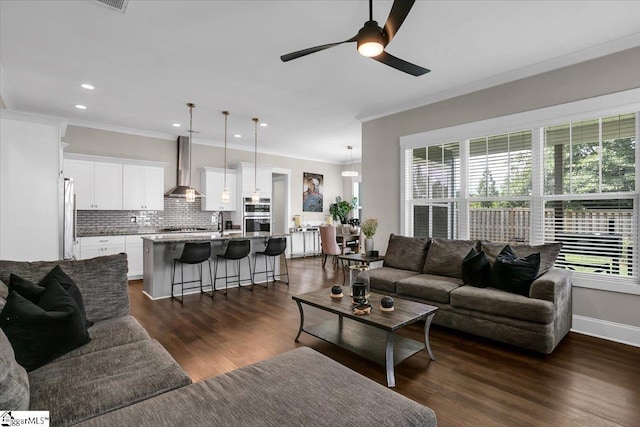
(500, 187)
(573, 182)
(357, 192)
(584, 163)
(435, 186)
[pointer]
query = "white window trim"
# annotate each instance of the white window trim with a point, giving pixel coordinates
(602, 106)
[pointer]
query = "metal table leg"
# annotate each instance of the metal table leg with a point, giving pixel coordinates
(301, 321)
(427, 325)
(391, 377)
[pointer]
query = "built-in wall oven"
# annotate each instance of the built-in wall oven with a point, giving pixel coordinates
(257, 216)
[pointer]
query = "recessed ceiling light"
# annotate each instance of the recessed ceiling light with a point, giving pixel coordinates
(80, 107)
(264, 124)
(237, 135)
(87, 86)
(176, 125)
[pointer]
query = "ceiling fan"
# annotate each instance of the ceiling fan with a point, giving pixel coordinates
(372, 40)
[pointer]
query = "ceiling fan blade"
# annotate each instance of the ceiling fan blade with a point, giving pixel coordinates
(400, 64)
(399, 11)
(304, 52)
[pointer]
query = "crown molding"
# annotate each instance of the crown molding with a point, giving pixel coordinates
(569, 59)
(121, 129)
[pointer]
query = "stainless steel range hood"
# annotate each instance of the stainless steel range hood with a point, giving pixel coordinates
(184, 170)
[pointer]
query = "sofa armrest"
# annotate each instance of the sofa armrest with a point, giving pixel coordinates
(102, 281)
(554, 286)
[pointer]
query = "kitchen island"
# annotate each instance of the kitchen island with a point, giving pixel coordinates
(160, 251)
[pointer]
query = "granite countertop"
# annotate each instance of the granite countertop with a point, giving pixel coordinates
(209, 236)
(130, 231)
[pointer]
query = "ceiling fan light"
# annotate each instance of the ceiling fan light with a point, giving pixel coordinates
(370, 48)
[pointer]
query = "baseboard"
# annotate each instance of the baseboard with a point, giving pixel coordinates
(618, 332)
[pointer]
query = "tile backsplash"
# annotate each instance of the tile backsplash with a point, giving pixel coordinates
(177, 213)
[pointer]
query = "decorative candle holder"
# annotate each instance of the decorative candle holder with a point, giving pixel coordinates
(354, 272)
(359, 292)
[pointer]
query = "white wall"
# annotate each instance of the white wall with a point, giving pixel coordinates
(381, 151)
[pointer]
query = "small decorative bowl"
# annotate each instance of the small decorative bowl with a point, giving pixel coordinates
(386, 304)
(336, 292)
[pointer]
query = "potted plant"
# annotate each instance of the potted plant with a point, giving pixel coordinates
(369, 228)
(341, 208)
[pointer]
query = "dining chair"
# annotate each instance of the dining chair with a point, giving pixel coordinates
(329, 244)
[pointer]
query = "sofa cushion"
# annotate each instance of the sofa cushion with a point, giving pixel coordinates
(406, 253)
(4, 293)
(41, 332)
(501, 303)
(513, 274)
(298, 388)
(428, 287)
(83, 387)
(548, 253)
(102, 281)
(475, 269)
(110, 333)
(384, 279)
(445, 257)
(14, 393)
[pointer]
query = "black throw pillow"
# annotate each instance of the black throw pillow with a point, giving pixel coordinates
(70, 286)
(24, 287)
(513, 274)
(475, 269)
(42, 332)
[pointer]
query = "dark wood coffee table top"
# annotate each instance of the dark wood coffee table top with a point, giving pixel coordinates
(405, 312)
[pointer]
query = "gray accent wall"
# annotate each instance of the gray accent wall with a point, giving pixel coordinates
(381, 150)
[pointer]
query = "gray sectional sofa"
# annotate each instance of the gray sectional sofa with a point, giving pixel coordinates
(123, 377)
(430, 271)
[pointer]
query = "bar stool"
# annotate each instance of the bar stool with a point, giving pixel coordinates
(192, 253)
(236, 250)
(275, 247)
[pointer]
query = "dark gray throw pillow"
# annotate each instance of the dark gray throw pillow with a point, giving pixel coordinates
(475, 269)
(44, 331)
(33, 292)
(70, 286)
(513, 274)
(24, 287)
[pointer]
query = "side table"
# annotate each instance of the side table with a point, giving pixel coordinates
(356, 259)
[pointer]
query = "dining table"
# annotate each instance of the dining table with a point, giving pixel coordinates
(344, 238)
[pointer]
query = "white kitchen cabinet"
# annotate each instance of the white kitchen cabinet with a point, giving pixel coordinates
(91, 247)
(133, 248)
(143, 187)
(212, 183)
(29, 186)
(263, 182)
(98, 185)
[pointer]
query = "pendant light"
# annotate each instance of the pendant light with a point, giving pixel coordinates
(190, 193)
(353, 171)
(224, 196)
(255, 198)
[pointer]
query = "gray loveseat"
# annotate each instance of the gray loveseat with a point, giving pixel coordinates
(430, 271)
(123, 377)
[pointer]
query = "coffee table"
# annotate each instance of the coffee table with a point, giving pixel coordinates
(371, 336)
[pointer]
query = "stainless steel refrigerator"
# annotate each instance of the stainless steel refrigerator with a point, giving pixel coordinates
(69, 217)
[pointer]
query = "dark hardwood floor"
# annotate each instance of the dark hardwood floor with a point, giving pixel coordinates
(473, 382)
